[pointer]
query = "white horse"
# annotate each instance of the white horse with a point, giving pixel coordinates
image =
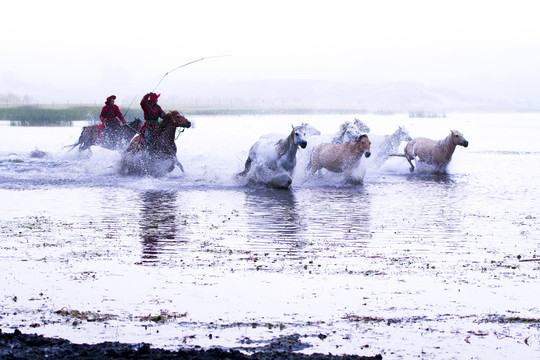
(384, 145)
(361, 126)
(272, 162)
(348, 132)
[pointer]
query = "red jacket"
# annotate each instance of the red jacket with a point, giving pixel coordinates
(109, 113)
(151, 112)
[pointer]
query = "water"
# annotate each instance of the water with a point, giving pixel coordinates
(406, 265)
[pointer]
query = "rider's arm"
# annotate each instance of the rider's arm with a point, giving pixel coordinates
(119, 114)
(101, 117)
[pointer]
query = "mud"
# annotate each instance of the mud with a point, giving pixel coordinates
(31, 346)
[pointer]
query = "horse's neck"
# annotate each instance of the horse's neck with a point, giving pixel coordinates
(396, 135)
(447, 146)
(283, 145)
(167, 130)
(287, 151)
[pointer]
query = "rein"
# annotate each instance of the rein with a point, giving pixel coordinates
(180, 130)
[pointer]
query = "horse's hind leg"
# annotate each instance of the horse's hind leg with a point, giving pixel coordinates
(412, 166)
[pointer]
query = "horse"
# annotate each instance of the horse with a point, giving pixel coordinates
(159, 158)
(94, 135)
(389, 144)
(435, 153)
(340, 157)
(348, 132)
(272, 162)
(361, 126)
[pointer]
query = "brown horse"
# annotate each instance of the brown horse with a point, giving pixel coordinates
(340, 157)
(161, 157)
(94, 135)
(435, 153)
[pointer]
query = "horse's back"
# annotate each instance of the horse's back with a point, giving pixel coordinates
(328, 155)
(420, 146)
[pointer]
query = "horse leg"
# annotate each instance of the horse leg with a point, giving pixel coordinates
(314, 162)
(412, 166)
(178, 164)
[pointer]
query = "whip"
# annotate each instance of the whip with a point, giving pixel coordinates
(186, 64)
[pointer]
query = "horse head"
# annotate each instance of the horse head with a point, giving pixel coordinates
(177, 119)
(365, 145)
(349, 132)
(299, 136)
(361, 126)
(310, 130)
(458, 139)
(403, 134)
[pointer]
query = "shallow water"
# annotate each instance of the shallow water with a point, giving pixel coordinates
(406, 265)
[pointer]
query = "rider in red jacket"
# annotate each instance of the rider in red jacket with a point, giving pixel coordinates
(111, 117)
(152, 113)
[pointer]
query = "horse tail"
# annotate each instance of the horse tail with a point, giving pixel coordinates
(247, 167)
(79, 142)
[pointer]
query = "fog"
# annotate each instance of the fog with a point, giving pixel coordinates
(81, 52)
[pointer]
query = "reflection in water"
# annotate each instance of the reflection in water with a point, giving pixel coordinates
(439, 203)
(157, 223)
(273, 216)
(338, 215)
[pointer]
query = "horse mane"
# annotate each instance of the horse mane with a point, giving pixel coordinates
(361, 137)
(284, 144)
(167, 118)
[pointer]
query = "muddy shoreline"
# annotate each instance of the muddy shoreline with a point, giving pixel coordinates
(17, 345)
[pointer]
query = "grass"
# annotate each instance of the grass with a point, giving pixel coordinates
(43, 115)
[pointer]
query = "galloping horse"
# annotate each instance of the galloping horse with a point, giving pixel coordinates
(272, 162)
(361, 126)
(435, 153)
(348, 132)
(385, 145)
(94, 135)
(161, 157)
(340, 157)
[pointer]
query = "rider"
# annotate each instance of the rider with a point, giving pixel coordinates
(111, 117)
(152, 113)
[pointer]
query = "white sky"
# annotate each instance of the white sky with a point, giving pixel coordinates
(464, 45)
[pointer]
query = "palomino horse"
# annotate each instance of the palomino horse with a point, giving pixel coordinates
(435, 153)
(160, 158)
(272, 162)
(340, 157)
(94, 135)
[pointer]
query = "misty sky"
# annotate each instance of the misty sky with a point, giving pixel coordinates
(84, 50)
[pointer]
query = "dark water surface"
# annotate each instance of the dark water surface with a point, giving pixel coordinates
(406, 265)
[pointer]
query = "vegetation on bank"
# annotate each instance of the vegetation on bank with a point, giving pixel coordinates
(47, 116)
(41, 115)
